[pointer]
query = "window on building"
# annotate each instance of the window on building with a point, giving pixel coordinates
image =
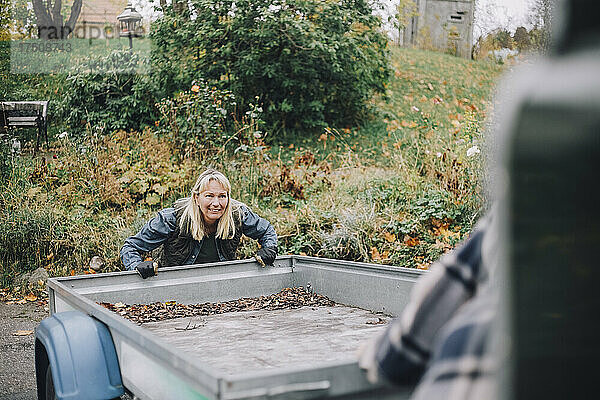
(457, 17)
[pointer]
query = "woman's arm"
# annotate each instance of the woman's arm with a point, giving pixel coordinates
(258, 228)
(152, 235)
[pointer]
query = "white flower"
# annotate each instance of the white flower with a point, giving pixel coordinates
(473, 150)
(415, 109)
(16, 146)
(438, 154)
(63, 135)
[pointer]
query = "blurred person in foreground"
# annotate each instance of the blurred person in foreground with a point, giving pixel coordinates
(205, 227)
(510, 312)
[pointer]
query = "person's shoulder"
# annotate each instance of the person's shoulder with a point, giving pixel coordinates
(239, 209)
(181, 203)
(236, 204)
(165, 220)
(173, 213)
(167, 214)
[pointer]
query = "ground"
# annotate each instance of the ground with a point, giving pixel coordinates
(17, 369)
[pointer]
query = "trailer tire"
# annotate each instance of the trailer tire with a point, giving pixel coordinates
(50, 393)
(42, 367)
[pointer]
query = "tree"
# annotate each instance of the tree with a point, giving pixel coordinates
(541, 19)
(311, 63)
(50, 23)
(521, 38)
(5, 20)
(504, 39)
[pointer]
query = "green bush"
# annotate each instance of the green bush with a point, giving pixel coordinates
(105, 94)
(311, 63)
(198, 117)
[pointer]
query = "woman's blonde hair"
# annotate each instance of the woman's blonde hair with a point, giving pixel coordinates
(191, 221)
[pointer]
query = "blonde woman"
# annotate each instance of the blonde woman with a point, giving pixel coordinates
(205, 227)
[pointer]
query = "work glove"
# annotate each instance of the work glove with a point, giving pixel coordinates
(266, 255)
(146, 269)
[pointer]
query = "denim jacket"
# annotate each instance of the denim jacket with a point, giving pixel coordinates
(156, 231)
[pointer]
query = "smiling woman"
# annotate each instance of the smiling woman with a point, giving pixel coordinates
(205, 227)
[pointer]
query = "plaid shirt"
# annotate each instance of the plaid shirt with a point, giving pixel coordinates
(441, 338)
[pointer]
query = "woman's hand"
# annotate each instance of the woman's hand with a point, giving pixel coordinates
(266, 255)
(146, 269)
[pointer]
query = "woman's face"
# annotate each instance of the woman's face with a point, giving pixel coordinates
(212, 202)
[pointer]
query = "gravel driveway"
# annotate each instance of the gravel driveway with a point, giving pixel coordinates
(17, 369)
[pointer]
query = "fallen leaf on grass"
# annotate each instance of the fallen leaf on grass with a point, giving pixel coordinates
(390, 237)
(31, 297)
(379, 257)
(441, 245)
(446, 233)
(407, 124)
(410, 241)
(22, 333)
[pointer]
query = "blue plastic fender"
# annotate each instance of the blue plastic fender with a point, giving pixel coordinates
(82, 355)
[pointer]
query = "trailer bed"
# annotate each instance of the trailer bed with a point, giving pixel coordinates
(265, 339)
(153, 366)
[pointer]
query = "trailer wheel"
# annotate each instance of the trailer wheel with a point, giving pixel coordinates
(43, 373)
(50, 393)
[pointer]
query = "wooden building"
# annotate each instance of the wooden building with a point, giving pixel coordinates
(444, 25)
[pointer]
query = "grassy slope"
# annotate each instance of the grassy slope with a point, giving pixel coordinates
(446, 90)
(400, 190)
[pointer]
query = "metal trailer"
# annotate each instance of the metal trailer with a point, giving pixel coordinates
(84, 351)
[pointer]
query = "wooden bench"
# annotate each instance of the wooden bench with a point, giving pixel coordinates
(26, 114)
